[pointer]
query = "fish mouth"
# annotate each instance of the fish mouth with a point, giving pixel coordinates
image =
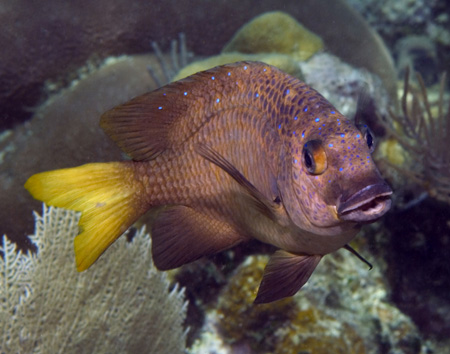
(366, 205)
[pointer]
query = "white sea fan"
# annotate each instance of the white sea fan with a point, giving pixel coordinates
(121, 304)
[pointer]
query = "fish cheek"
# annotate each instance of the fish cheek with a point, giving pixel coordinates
(304, 197)
(319, 198)
(293, 193)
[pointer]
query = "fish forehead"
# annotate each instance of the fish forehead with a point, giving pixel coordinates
(303, 114)
(343, 142)
(293, 107)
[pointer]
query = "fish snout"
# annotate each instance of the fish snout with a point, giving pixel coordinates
(366, 205)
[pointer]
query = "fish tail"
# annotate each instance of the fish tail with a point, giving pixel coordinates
(108, 195)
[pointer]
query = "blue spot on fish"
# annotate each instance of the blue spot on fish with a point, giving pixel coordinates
(245, 67)
(305, 109)
(159, 107)
(213, 78)
(341, 169)
(333, 112)
(279, 127)
(295, 118)
(358, 136)
(330, 145)
(317, 119)
(256, 94)
(229, 74)
(185, 93)
(218, 100)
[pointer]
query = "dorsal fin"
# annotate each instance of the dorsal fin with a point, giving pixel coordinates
(140, 127)
(147, 125)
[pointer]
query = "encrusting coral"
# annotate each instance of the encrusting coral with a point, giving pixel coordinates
(121, 305)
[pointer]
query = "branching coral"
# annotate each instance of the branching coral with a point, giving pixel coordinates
(425, 135)
(121, 305)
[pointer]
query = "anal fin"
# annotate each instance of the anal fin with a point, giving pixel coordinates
(284, 275)
(182, 235)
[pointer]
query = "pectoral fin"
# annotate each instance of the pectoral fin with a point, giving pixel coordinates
(284, 275)
(261, 202)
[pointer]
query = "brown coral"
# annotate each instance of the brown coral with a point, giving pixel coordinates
(275, 32)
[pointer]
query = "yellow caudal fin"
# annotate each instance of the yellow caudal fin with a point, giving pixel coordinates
(108, 196)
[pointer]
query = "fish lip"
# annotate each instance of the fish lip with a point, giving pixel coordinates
(366, 205)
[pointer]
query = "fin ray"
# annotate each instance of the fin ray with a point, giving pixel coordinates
(105, 195)
(284, 275)
(182, 235)
(148, 125)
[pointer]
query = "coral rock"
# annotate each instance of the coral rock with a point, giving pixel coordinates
(275, 32)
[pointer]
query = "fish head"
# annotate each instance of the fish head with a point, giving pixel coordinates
(334, 184)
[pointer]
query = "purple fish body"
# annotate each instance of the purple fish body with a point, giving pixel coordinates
(237, 152)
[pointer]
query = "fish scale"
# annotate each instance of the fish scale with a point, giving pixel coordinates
(236, 152)
(185, 184)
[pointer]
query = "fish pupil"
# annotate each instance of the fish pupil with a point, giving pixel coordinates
(314, 157)
(369, 140)
(308, 161)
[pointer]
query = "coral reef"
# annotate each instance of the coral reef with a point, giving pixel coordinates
(282, 61)
(67, 35)
(422, 131)
(416, 250)
(65, 132)
(121, 305)
(419, 54)
(397, 20)
(418, 162)
(275, 32)
(342, 84)
(79, 139)
(343, 310)
(80, 105)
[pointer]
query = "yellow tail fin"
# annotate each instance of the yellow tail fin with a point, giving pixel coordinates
(106, 194)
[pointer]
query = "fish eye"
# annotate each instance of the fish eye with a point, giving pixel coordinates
(314, 157)
(368, 137)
